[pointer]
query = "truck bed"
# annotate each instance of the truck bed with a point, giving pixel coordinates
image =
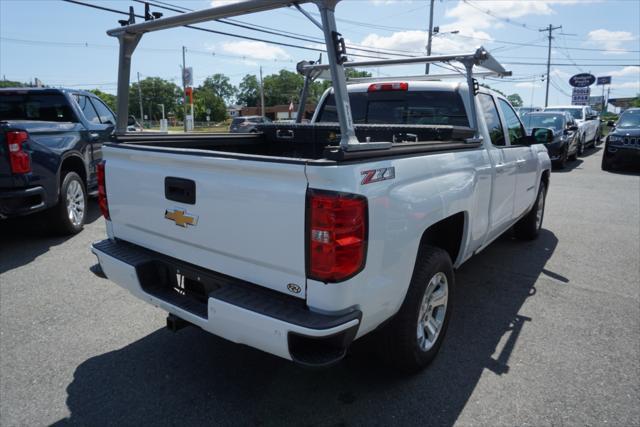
(312, 141)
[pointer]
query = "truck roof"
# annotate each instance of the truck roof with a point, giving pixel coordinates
(44, 90)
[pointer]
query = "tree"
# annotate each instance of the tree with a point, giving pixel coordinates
(636, 101)
(282, 88)
(155, 91)
(249, 91)
(205, 98)
(220, 85)
(10, 83)
(515, 100)
(108, 98)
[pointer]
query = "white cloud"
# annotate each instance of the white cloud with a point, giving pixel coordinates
(624, 72)
(528, 85)
(627, 85)
(415, 42)
(557, 72)
(611, 42)
(255, 50)
(468, 16)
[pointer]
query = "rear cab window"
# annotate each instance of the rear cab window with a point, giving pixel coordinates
(429, 107)
(22, 105)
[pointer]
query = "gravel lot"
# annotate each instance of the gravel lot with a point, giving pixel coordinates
(546, 332)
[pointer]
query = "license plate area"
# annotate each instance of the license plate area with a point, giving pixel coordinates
(179, 285)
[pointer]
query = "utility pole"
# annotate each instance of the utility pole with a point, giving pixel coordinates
(430, 37)
(140, 100)
(184, 89)
(261, 94)
(550, 29)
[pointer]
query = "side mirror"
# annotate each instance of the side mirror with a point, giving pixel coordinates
(573, 128)
(542, 135)
(131, 121)
(611, 123)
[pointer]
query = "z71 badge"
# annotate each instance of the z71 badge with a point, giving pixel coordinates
(376, 175)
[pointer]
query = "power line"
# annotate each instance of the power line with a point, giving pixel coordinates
(493, 15)
(218, 32)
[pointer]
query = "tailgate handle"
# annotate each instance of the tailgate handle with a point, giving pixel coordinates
(180, 190)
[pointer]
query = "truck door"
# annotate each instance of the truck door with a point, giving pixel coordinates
(100, 123)
(502, 198)
(524, 158)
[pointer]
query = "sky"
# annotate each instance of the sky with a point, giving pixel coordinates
(65, 44)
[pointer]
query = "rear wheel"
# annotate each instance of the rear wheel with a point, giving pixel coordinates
(413, 337)
(70, 212)
(528, 228)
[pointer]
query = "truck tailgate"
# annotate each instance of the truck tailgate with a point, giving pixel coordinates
(247, 220)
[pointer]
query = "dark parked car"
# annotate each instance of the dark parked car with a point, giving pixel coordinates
(565, 144)
(50, 147)
(247, 124)
(622, 146)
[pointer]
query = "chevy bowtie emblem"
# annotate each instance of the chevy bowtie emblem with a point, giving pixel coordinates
(181, 217)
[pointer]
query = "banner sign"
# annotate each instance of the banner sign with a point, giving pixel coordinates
(187, 76)
(582, 80)
(604, 80)
(580, 96)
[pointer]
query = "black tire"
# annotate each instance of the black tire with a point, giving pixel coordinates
(528, 227)
(574, 156)
(62, 219)
(581, 148)
(562, 163)
(606, 163)
(398, 341)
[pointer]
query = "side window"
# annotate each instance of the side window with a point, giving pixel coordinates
(490, 113)
(106, 116)
(514, 126)
(87, 109)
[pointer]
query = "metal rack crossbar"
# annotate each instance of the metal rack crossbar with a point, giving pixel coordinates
(130, 33)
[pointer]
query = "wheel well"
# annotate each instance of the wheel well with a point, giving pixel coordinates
(545, 178)
(446, 234)
(73, 164)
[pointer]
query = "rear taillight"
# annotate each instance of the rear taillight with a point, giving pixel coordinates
(102, 190)
(336, 235)
(18, 157)
(383, 87)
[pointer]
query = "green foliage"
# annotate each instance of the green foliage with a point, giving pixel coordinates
(281, 88)
(155, 91)
(221, 86)
(206, 98)
(636, 101)
(108, 98)
(515, 100)
(9, 83)
(249, 91)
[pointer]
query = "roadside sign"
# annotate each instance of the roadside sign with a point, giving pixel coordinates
(187, 76)
(604, 80)
(582, 80)
(580, 96)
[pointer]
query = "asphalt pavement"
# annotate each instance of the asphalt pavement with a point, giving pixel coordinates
(543, 333)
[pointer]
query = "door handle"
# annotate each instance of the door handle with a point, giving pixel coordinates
(520, 162)
(94, 136)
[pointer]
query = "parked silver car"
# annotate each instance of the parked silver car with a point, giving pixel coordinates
(247, 124)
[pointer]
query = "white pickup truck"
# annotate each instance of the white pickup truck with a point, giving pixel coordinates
(297, 241)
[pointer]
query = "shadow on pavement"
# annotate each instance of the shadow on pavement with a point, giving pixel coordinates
(193, 378)
(23, 239)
